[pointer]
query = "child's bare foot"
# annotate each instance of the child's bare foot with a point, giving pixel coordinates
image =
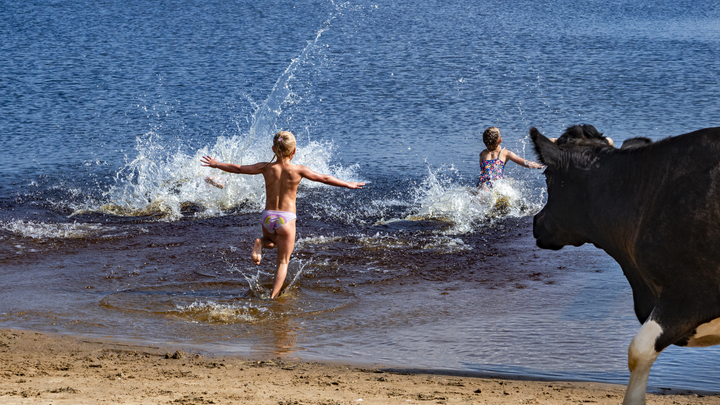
(257, 251)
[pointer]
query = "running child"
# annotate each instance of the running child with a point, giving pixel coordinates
(493, 159)
(281, 183)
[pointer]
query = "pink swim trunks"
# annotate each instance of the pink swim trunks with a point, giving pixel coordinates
(273, 220)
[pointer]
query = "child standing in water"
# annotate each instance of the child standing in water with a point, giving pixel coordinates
(281, 183)
(493, 159)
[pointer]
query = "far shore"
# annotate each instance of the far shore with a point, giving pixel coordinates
(42, 368)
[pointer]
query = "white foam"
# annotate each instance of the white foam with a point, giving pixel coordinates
(42, 230)
(442, 197)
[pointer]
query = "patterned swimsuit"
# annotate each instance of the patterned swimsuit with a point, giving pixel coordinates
(272, 220)
(491, 170)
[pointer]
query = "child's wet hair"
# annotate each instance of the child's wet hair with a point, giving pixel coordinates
(284, 144)
(491, 138)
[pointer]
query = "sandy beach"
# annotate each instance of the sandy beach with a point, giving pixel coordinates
(39, 368)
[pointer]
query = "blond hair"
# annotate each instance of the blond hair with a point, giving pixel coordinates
(284, 144)
(491, 138)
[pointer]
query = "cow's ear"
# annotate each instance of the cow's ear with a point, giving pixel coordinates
(634, 143)
(547, 151)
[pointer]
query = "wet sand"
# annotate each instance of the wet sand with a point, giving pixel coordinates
(39, 368)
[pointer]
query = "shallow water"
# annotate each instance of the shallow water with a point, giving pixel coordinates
(107, 227)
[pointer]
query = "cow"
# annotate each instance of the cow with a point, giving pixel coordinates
(654, 207)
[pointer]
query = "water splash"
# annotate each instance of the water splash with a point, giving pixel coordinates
(281, 95)
(167, 183)
(258, 286)
(214, 312)
(443, 195)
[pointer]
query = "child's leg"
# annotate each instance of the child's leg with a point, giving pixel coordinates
(285, 241)
(267, 241)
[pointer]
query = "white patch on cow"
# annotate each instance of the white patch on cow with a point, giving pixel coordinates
(707, 334)
(641, 356)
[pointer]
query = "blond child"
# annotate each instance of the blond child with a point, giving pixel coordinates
(281, 183)
(494, 157)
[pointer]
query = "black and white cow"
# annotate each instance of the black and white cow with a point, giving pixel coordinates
(655, 208)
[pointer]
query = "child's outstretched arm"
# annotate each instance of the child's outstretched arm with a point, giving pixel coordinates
(232, 168)
(522, 162)
(327, 179)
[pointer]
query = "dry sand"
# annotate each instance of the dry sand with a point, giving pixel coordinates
(38, 368)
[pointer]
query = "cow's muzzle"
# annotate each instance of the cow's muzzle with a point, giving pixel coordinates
(543, 238)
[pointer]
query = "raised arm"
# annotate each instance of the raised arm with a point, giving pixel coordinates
(233, 168)
(327, 179)
(522, 162)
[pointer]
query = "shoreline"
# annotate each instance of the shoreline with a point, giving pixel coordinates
(46, 368)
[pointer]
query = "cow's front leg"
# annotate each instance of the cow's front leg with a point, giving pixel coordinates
(641, 356)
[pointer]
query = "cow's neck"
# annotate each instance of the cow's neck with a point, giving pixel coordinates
(628, 189)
